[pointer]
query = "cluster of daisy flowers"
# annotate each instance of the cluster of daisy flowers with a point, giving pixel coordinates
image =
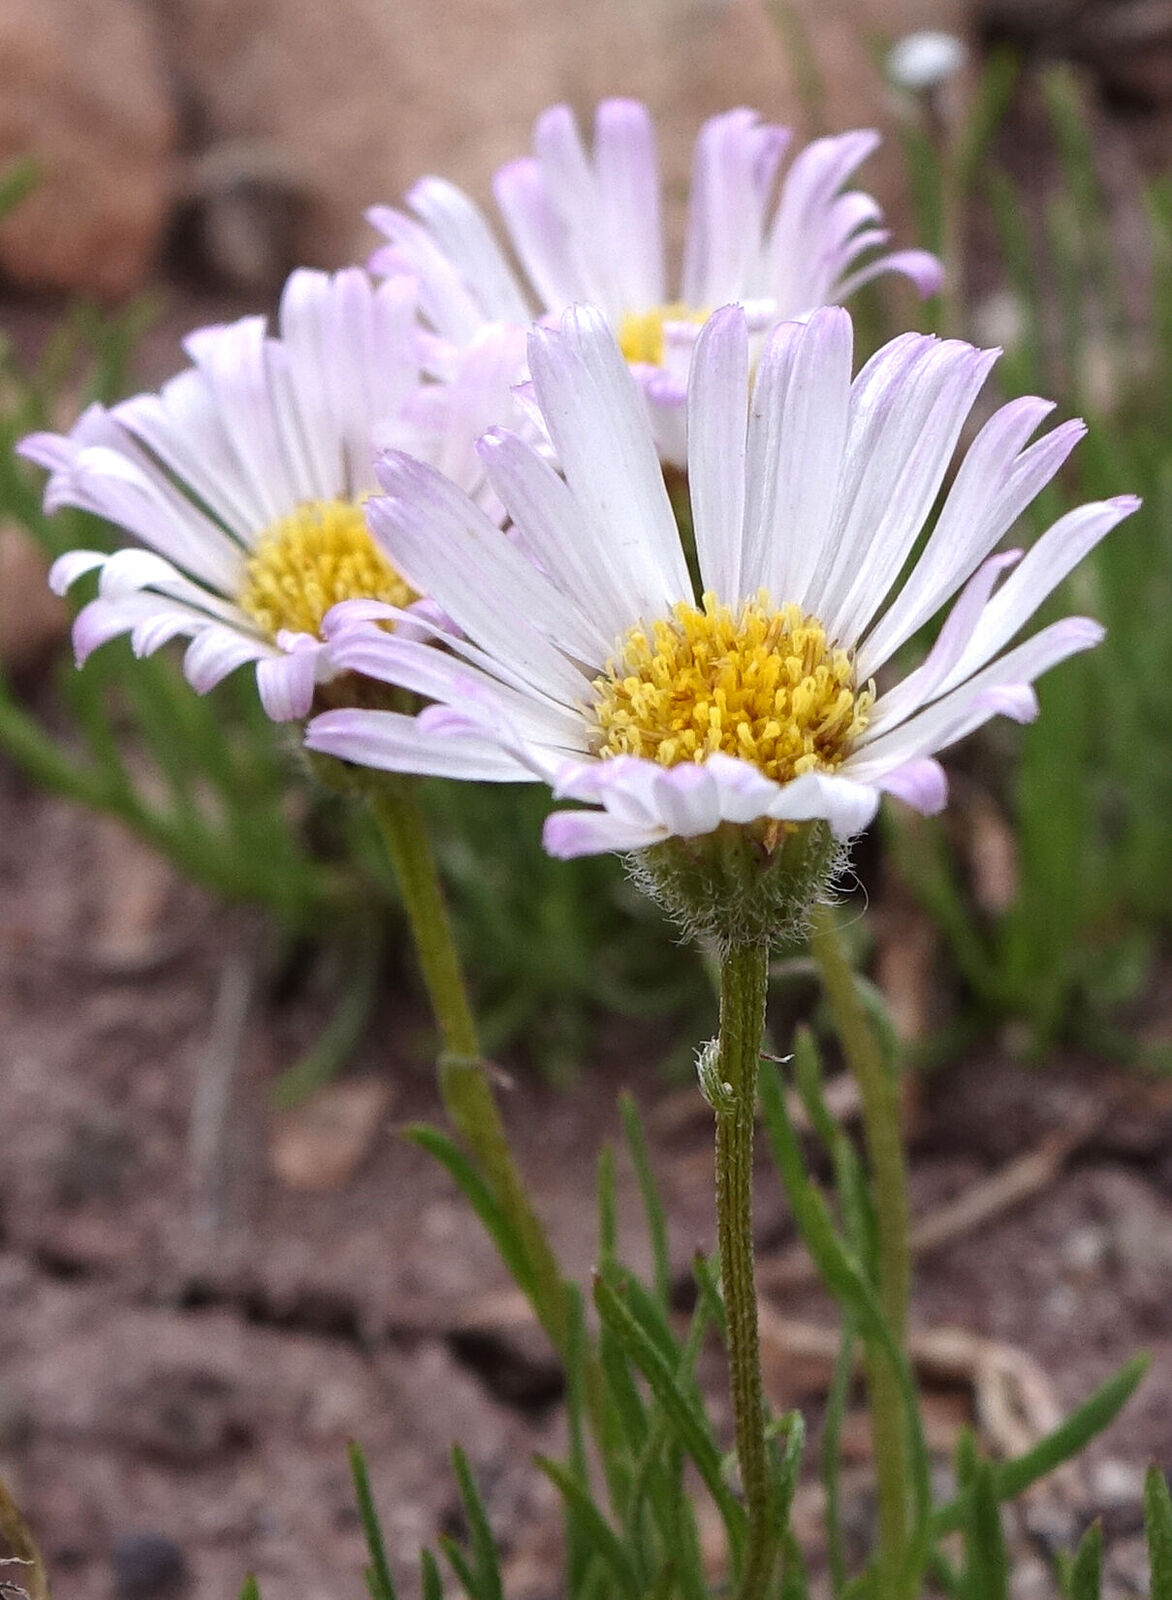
(446, 474)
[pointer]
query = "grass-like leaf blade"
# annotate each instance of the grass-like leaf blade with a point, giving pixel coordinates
(688, 1426)
(1158, 1523)
(482, 1201)
(485, 1558)
(1015, 1477)
(378, 1574)
(597, 1531)
(1086, 1572)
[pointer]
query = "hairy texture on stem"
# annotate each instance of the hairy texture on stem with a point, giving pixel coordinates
(743, 980)
(467, 1094)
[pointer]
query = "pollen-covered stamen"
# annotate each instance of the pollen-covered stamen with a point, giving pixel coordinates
(761, 683)
(641, 333)
(309, 561)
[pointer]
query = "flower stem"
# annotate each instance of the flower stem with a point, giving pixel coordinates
(463, 1081)
(879, 1092)
(743, 978)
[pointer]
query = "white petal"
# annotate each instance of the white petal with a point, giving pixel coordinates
(993, 486)
(1056, 553)
(922, 269)
(540, 235)
(554, 531)
(717, 421)
(901, 442)
(931, 679)
(460, 228)
(599, 429)
(797, 434)
(449, 304)
(973, 703)
(448, 549)
(424, 670)
(215, 652)
(848, 806)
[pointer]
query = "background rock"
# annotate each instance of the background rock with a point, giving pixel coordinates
(297, 116)
(84, 92)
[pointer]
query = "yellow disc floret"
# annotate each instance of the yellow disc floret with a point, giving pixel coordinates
(641, 336)
(309, 561)
(760, 683)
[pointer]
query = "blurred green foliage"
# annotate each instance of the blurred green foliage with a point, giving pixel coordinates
(1088, 787)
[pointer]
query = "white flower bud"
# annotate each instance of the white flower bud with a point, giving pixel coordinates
(921, 62)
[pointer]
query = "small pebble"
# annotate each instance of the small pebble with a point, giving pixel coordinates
(147, 1566)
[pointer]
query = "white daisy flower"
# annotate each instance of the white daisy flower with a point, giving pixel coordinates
(748, 698)
(245, 479)
(587, 227)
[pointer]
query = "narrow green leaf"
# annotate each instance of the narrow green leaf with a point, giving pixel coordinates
(831, 1458)
(608, 1211)
(787, 1462)
(1068, 1439)
(251, 1590)
(431, 1583)
(794, 1583)
(461, 1566)
(847, 1281)
(652, 1203)
(601, 1535)
(690, 1428)
(1158, 1522)
(987, 1561)
(378, 1575)
(479, 1197)
(578, 1551)
(485, 1558)
(1086, 1572)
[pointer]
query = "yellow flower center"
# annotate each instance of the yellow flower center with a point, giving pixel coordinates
(319, 554)
(762, 684)
(641, 335)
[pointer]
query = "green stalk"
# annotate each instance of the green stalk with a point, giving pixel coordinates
(879, 1091)
(464, 1085)
(743, 979)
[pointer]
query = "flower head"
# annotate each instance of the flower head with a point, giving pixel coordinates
(747, 701)
(587, 226)
(244, 479)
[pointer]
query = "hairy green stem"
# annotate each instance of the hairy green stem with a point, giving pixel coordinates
(879, 1093)
(743, 979)
(464, 1084)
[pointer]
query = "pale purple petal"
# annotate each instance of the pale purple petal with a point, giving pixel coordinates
(923, 785)
(1056, 554)
(569, 834)
(391, 742)
(67, 569)
(286, 682)
(628, 183)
